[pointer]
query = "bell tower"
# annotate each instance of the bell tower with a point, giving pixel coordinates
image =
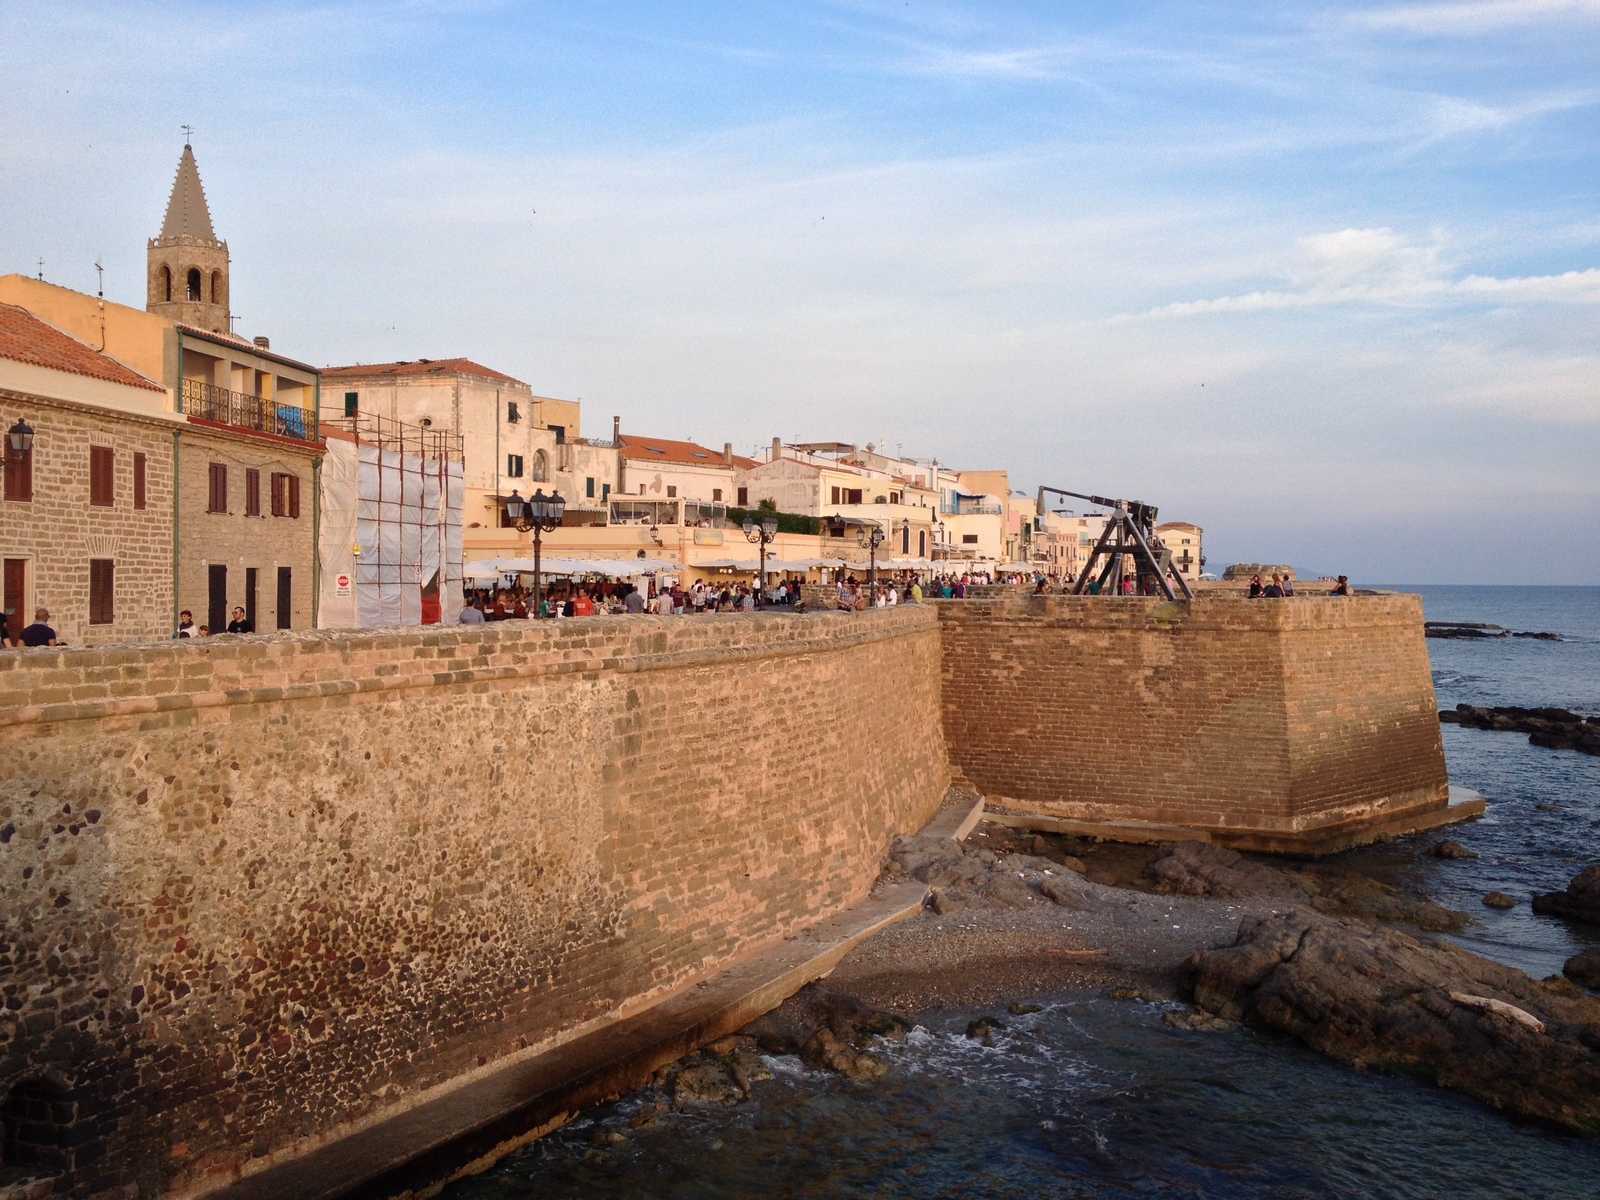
(188, 266)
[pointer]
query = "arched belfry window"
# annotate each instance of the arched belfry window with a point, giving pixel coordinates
(166, 283)
(541, 467)
(194, 283)
(216, 287)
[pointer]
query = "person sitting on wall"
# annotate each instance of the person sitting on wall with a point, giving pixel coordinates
(1288, 586)
(1273, 590)
(186, 626)
(1342, 587)
(39, 633)
(1255, 587)
(240, 623)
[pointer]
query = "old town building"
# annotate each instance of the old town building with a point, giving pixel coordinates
(244, 444)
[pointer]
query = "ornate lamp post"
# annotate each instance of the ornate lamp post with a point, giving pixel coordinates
(872, 541)
(537, 513)
(20, 436)
(762, 533)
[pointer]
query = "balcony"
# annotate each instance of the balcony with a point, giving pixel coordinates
(242, 411)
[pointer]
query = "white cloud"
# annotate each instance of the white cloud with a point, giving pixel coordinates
(1377, 266)
(1469, 19)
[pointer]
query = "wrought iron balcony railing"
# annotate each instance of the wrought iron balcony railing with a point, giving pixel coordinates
(243, 411)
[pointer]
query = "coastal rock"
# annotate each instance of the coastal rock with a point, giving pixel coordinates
(1553, 728)
(1581, 900)
(825, 1049)
(1449, 849)
(1584, 968)
(706, 1083)
(1201, 869)
(1499, 900)
(1375, 997)
(1201, 1022)
(983, 1028)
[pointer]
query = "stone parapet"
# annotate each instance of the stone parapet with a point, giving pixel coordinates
(1286, 721)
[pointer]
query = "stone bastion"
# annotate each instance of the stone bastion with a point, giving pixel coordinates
(260, 892)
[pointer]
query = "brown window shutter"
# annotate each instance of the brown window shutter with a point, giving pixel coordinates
(294, 496)
(102, 478)
(252, 492)
(19, 474)
(277, 494)
(102, 591)
(138, 481)
(218, 502)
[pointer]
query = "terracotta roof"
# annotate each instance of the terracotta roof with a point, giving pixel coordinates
(690, 454)
(25, 338)
(245, 344)
(1177, 525)
(422, 366)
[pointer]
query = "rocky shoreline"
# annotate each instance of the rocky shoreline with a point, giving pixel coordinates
(1553, 728)
(1322, 953)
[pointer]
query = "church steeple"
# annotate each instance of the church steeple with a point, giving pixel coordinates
(188, 265)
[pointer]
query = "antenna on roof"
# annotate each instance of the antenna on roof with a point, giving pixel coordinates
(188, 131)
(41, 270)
(100, 275)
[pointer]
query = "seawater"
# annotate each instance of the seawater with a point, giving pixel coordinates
(1098, 1098)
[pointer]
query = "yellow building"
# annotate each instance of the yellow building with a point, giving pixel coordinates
(1183, 539)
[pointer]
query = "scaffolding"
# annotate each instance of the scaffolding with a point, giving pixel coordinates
(392, 496)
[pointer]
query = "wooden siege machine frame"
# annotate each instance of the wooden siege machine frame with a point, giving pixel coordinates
(1130, 532)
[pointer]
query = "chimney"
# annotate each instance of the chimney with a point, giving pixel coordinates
(263, 344)
(727, 453)
(616, 429)
(777, 449)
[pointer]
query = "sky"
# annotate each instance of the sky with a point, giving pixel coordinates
(1321, 278)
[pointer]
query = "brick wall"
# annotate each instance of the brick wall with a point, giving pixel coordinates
(59, 531)
(1285, 716)
(259, 887)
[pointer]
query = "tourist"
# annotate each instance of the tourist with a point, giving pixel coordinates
(583, 606)
(1288, 585)
(39, 633)
(471, 615)
(1255, 587)
(676, 592)
(1274, 590)
(240, 623)
(186, 627)
(697, 597)
(1342, 587)
(205, 631)
(634, 602)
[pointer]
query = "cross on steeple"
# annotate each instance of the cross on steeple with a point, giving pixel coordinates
(188, 131)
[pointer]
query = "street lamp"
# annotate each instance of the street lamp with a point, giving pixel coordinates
(537, 513)
(762, 533)
(872, 541)
(20, 437)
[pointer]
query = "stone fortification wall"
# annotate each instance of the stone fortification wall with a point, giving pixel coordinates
(259, 888)
(1292, 717)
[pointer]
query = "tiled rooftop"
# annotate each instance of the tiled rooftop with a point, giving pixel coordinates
(25, 338)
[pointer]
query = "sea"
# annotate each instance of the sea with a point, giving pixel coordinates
(1094, 1097)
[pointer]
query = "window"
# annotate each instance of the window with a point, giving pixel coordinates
(102, 476)
(922, 543)
(252, 493)
(285, 594)
(836, 492)
(102, 589)
(166, 283)
(969, 539)
(672, 490)
(541, 467)
(513, 413)
(605, 491)
(744, 497)
(285, 494)
(217, 502)
(352, 403)
(588, 487)
(561, 434)
(19, 472)
(716, 493)
(216, 597)
(852, 496)
(194, 283)
(905, 539)
(894, 497)
(250, 583)
(514, 466)
(216, 287)
(138, 481)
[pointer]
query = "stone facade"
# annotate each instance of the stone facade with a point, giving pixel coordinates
(240, 541)
(1280, 719)
(258, 889)
(58, 532)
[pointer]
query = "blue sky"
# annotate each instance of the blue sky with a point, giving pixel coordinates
(1323, 279)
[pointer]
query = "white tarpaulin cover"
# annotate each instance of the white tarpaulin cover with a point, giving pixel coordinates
(390, 538)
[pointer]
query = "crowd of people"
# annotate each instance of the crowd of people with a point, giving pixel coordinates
(618, 598)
